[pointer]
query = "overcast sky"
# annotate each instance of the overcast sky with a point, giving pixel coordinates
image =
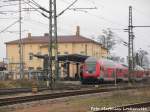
(111, 14)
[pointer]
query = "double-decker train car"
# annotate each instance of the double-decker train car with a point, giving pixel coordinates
(147, 75)
(138, 73)
(105, 70)
(121, 72)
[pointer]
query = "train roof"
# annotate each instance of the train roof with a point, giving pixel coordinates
(121, 66)
(137, 67)
(107, 63)
(91, 59)
(103, 61)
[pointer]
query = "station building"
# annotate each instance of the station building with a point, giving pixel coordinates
(67, 44)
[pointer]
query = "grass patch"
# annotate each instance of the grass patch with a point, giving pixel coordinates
(20, 84)
(4, 110)
(116, 98)
(15, 84)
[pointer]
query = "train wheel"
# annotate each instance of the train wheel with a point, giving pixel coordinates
(83, 81)
(101, 81)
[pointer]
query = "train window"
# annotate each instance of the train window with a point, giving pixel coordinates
(126, 75)
(117, 70)
(101, 68)
(120, 70)
(113, 74)
(30, 56)
(91, 67)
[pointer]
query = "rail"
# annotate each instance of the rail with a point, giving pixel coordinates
(24, 99)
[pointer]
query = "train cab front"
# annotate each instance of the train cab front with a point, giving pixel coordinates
(89, 72)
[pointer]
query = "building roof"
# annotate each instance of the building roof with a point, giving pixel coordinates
(61, 39)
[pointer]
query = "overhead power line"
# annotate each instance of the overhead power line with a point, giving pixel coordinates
(66, 8)
(9, 5)
(141, 26)
(37, 9)
(10, 0)
(9, 26)
(83, 8)
(29, 2)
(47, 11)
(96, 3)
(17, 31)
(8, 18)
(39, 6)
(35, 3)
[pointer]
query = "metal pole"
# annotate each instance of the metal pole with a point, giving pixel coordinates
(56, 41)
(132, 38)
(131, 60)
(20, 43)
(130, 46)
(53, 44)
(50, 45)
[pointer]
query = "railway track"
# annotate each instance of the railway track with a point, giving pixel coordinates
(18, 90)
(140, 107)
(29, 90)
(24, 99)
(10, 91)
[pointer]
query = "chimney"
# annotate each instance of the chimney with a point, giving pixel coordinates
(46, 34)
(29, 35)
(78, 31)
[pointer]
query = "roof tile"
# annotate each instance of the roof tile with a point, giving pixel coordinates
(61, 39)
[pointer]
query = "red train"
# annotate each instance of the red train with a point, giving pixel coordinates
(105, 70)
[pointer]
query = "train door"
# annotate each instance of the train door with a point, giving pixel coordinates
(101, 73)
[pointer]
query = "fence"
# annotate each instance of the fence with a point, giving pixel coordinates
(38, 75)
(4, 75)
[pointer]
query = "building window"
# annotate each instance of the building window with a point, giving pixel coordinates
(39, 53)
(58, 52)
(96, 53)
(82, 52)
(30, 56)
(66, 45)
(65, 52)
(39, 47)
(31, 46)
(39, 68)
(31, 68)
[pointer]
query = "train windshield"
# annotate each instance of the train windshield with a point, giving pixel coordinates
(91, 67)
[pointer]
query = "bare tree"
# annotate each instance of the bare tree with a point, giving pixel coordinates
(141, 58)
(107, 39)
(117, 58)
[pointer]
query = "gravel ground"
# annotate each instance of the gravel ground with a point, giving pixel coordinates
(84, 103)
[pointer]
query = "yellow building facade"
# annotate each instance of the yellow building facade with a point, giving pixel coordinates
(69, 44)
